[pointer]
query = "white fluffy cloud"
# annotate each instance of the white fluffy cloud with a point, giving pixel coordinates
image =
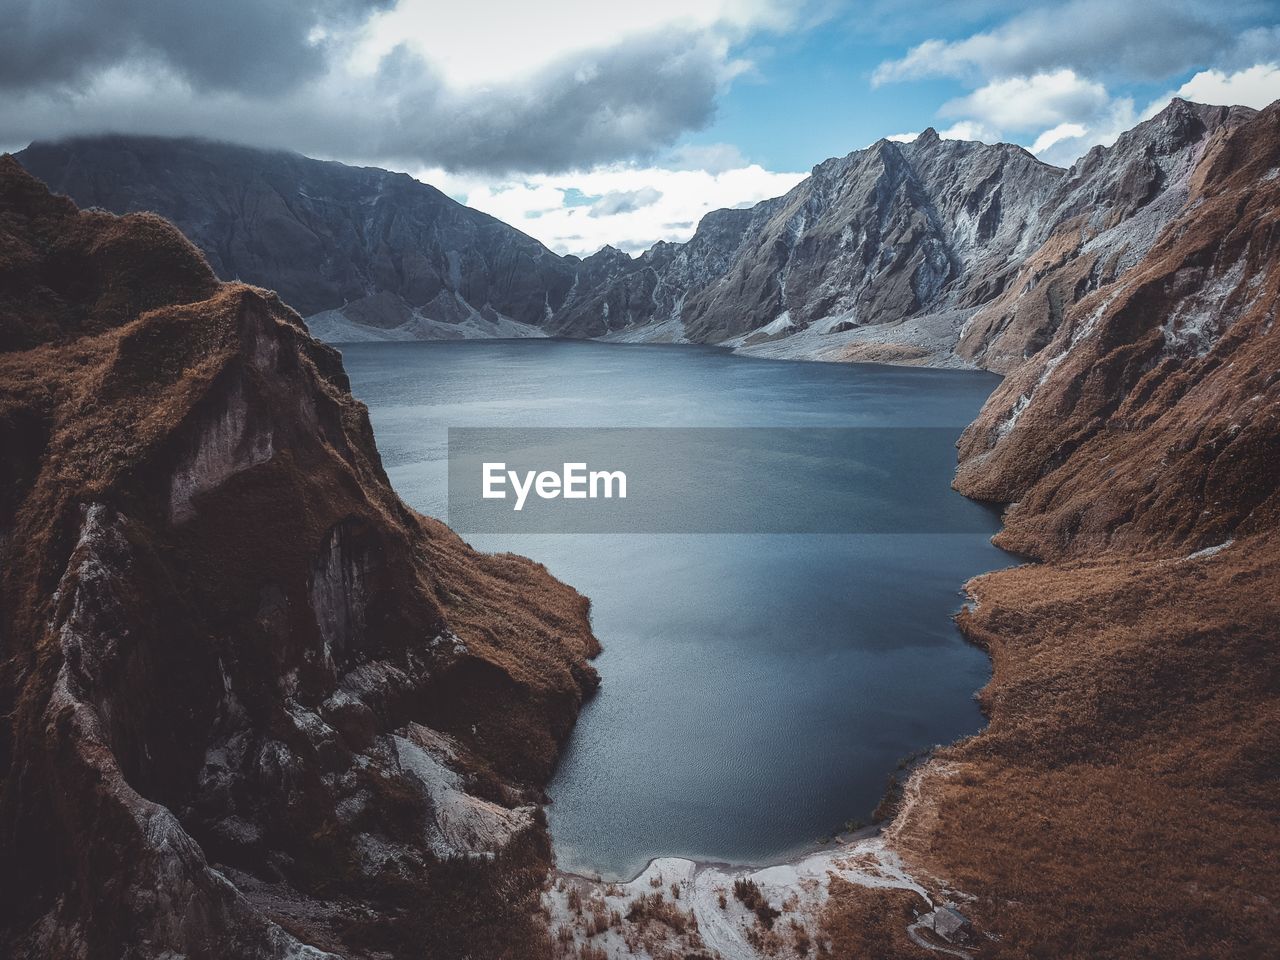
(1041, 77)
(970, 130)
(1034, 102)
(1255, 87)
(628, 206)
(1067, 142)
(1062, 132)
(479, 44)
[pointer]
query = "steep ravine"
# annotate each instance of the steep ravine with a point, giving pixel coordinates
(253, 706)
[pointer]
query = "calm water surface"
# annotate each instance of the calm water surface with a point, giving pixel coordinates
(757, 689)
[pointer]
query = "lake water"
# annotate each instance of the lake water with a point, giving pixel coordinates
(758, 689)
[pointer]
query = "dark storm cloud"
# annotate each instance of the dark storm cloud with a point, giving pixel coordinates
(626, 101)
(263, 74)
(212, 44)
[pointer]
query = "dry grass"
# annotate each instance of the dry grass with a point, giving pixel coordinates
(1125, 797)
(861, 922)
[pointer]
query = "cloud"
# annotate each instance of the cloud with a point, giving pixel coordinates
(486, 42)
(1025, 103)
(970, 130)
(558, 86)
(624, 201)
(712, 157)
(1041, 77)
(584, 110)
(1256, 86)
(1063, 131)
(229, 45)
(1148, 41)
(1067, 142)
(555, 208)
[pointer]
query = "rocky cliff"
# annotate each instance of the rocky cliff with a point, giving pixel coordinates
(1149, 421)
(1101, 220)
(936, 251)
(253, 706)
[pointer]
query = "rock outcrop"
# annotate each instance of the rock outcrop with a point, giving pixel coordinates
(253, 706)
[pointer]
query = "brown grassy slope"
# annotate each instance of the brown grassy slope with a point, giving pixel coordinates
(1125, 799)
(202, 559)
(1152, 421)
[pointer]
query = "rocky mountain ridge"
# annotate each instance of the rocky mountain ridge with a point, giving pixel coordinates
(361, 252)
(937, 252)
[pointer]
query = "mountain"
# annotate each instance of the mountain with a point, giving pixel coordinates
(363, 253)
(941, 252)
(872, 238)
(1149, 420)
(1123, 798)
(935, 251)
(251, 705)
(1101, 220)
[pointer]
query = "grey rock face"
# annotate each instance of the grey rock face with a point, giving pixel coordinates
(938, 252)
(1104, 216)
(381, 247)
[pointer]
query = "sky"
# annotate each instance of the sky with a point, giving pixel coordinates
(585, 123)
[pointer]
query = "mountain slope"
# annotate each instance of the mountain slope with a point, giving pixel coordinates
(871, 238)
(375, 253)
(1100, 221)
(1123, 799)
(932, 251)
(1150, 418)
(937, 252)
(253, 706)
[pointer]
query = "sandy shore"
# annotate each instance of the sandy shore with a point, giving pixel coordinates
(690, 908)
